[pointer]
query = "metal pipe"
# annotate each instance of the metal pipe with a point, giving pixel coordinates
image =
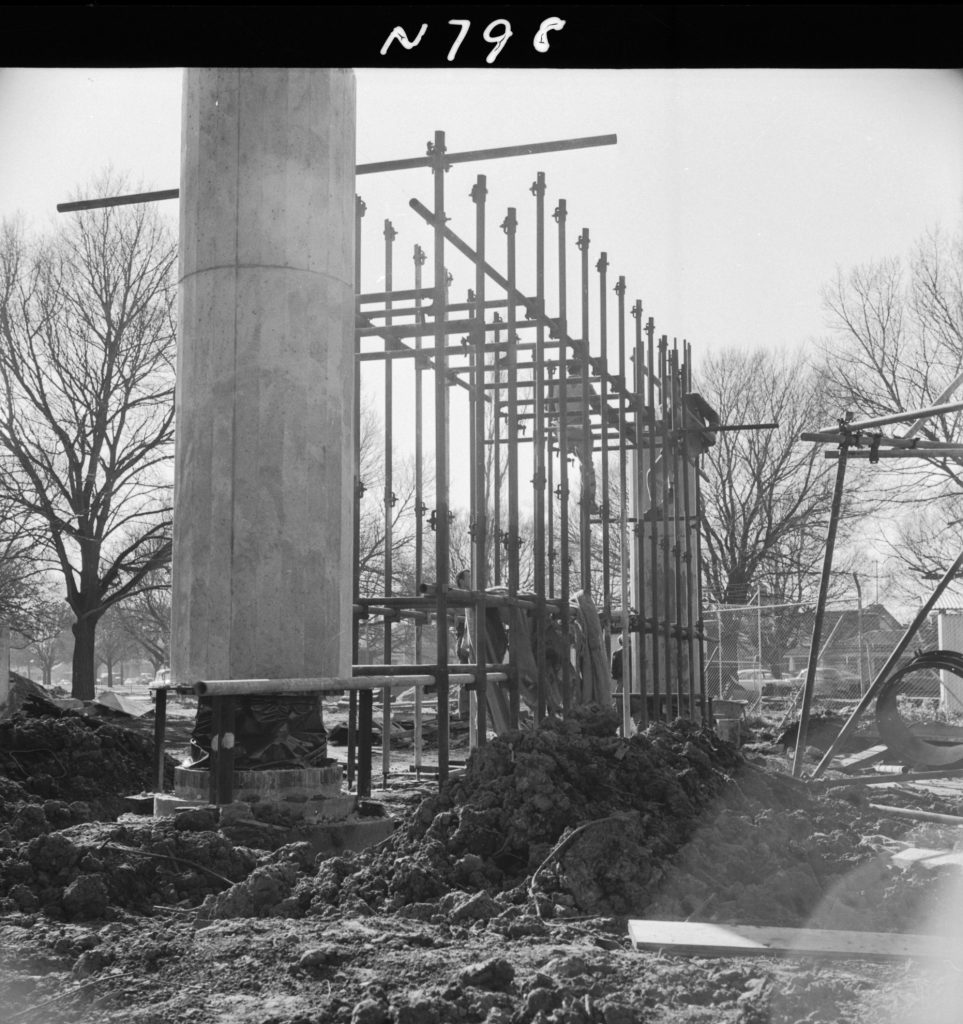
(560, 215)
(370, 168)
(509, 226)
(480, 503)
(330, 684)
(160, 730)
(679, 524)
(359, 212)
(419, 258)
(496, 530)
(820, 614)
(439, 165)
(389, 499)
(902, 417)
(538, 452)
(689, 621)
(586, 466)
(627, 666)
(666, 540)
(397, 669)
(653, 523)
(603, 504)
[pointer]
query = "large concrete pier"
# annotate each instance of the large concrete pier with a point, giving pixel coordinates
(263, 486)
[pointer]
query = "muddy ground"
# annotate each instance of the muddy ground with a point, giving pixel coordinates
(503, 897)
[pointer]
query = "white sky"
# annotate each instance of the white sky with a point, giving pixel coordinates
(728, 202)
(730, 199)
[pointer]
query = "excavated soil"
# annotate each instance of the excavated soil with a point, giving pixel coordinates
(503, 897)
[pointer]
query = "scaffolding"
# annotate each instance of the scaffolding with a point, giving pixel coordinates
(538, 378)
(533, 376)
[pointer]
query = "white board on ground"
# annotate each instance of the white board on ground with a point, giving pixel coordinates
(749, 940)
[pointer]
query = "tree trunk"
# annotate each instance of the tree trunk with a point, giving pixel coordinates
(84, 630)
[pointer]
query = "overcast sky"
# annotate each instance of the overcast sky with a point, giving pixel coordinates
(729, 200)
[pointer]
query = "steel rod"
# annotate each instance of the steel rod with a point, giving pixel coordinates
(442, 567)
(389, 497)
(902, 417)
(628, 667)
(819, 616)
(372, 168)
(419, 259)
(653, 528)
(480, 508)
(359, 212)
(160, 729)
(560, 215)
(538, 455)
(668, 458)
(331, 684)
(689, 621)
(600, 268)
(496, 530)
(586, 466)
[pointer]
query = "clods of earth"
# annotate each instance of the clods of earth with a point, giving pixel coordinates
(501, 898)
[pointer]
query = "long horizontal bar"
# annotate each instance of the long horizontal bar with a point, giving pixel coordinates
(896, 417)
(908, 453)
(371, 168)
(458, 350)
(128, 200)
(257, 687)
(401, 670)
(530, 149)
(397, 296)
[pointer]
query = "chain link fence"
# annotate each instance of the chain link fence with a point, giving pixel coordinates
(759, 653)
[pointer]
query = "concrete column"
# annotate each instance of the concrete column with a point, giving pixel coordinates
(950, 638)
(264, 479)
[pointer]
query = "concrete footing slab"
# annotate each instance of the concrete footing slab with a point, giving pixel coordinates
(352, 832)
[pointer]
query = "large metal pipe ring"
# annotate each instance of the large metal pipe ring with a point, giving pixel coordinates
(896, 733)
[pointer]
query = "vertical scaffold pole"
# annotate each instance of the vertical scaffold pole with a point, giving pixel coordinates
(603, 502)
(587, 469)
(677, 415)
(562, 413)
(419, 259)
(436, 151)
(628, 668)
(389, 501)
(688, 452)
(480, 510)
(359, 212)
(538, 449)
(509, 226)
(496, 524)
(652, 425)
(665, 540)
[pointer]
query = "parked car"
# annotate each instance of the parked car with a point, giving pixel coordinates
(832, 682)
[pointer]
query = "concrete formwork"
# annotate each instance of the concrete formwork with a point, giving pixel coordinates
(263, 486)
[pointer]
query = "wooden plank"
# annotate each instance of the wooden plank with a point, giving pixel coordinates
(928, 858)
(705, 939)
(862, 759)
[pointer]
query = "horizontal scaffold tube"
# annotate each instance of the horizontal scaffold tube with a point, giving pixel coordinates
(263, 687)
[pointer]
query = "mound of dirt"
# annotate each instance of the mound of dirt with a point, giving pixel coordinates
(60, 767)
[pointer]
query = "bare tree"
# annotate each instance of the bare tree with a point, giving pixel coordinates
(114, 645)
(42, 633)
(897, 345)
(766, 495)
(146, 617)
(20, 576)
(86, 426)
